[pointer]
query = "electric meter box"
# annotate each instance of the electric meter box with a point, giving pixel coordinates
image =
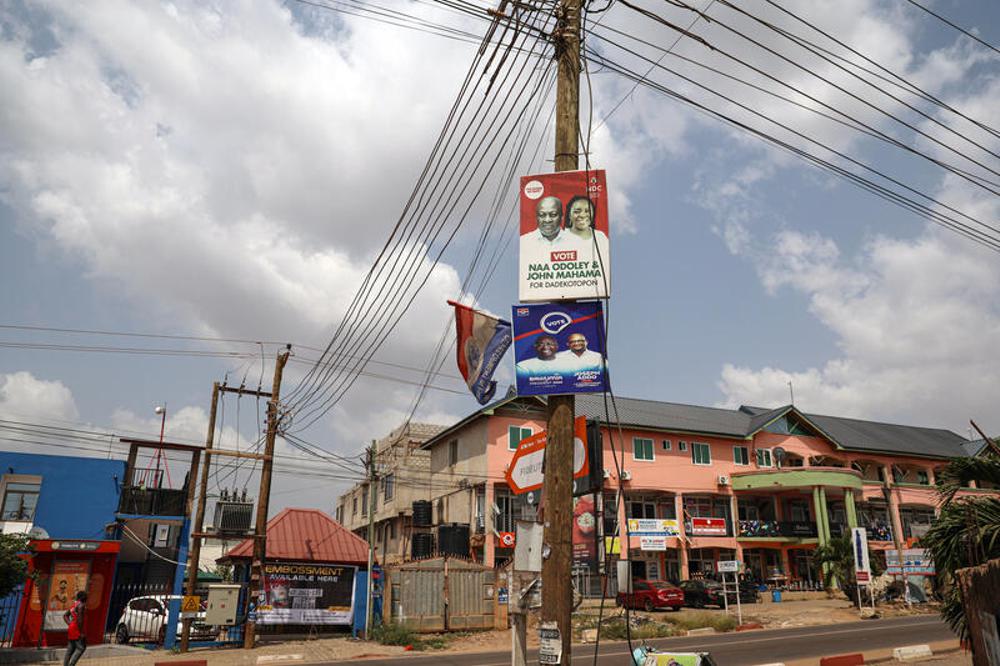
(223, 602)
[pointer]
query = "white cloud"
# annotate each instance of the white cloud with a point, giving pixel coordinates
(24, 396)
(917, 323)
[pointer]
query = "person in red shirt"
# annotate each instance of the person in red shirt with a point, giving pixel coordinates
(75, 618)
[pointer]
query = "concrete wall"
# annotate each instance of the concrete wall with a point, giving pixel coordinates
(78, 497)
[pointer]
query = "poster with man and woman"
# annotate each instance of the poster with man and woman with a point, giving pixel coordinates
(564, 250)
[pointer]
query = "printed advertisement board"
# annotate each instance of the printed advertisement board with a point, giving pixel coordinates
(917, 562)
(565, 252)
(708, 526)
(68, 577)
(653, 527)
(304, 593)
(584, 534)
(559, 348)
(859, 547)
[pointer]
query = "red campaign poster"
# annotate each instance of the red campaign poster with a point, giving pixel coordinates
(564, 249)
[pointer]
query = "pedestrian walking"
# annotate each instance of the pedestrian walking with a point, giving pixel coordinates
(74, 617)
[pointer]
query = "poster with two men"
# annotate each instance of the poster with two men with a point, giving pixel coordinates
(565, 255)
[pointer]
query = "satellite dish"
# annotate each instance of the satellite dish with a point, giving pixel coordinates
(779, 454)
(38, 532)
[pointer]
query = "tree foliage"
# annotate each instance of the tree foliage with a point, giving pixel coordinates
(838, 555)
(13, 569)
(966, 532)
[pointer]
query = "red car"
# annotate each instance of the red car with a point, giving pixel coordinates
(650, 594)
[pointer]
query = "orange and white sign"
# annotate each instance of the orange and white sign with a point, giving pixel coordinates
(526, 471)
(507, 539)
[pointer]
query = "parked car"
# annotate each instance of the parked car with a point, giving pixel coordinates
(650, 594)
(145, 619)
(701, 593)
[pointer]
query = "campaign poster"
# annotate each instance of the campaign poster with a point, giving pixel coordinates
(564, 252)
(584, 534)
(303, 593)
(559, 348)
(68, 577)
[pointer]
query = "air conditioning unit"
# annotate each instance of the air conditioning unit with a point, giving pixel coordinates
(607, 474)
(723, 480)
(626, 475)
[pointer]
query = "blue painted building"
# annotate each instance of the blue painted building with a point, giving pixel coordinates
(68, 497)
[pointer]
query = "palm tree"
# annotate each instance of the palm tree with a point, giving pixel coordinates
(966, 532)
(837, 559)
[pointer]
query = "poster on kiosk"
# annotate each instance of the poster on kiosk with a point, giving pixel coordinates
(564, 250)
(559, 348)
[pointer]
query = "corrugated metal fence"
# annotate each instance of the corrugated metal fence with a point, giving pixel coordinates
(980, 588)
(442, 594)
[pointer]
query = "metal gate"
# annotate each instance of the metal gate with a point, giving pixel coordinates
(442, 594)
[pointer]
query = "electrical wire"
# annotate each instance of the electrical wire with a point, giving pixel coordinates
(962, 30)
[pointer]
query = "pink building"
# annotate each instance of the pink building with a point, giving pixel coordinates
(714, 476)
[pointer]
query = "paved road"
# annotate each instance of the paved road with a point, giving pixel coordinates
(734, 649)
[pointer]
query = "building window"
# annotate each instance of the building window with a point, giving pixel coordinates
(20, 499)
(388, 486)
(923, 479)
(364, 500)
(640, 509)
(741, 455)
(642, 449)
(514, 436)
(799, 510)
(340, 513)
(354, 507)
(610, 515)
(392, 530)
(763, 457)
(453, 452)
(666, 445)
(701, 454)
(682, 446)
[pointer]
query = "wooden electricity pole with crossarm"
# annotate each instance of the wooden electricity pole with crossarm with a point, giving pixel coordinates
(557, 553)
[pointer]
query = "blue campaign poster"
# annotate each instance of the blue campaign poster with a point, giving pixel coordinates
(559, 348)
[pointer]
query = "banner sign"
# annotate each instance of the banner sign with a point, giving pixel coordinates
(916, 562)
(653, 527)
(527, 471)
(859, 547)
(304, 593)
(564, 237)
(708, 526)
(584, 534)
(656, 543)
(482, 342)
(559, 348)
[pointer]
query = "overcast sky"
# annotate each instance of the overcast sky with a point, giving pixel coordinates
(231, 169)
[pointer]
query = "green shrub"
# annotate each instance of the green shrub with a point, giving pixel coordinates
(392, 633)
(718, 621)
(614, 630)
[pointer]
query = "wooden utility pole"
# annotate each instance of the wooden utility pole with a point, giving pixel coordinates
(371, 539)
(557, 566)
(264, 497)
(199, 517)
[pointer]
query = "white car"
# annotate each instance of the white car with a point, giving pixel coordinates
(145, 619)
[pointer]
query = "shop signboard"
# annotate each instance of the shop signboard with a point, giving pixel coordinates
(564, 249)
(654, 543)
(916, 562)
(653, 527)
(708, 526)
(306, 593)
(559, 348)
